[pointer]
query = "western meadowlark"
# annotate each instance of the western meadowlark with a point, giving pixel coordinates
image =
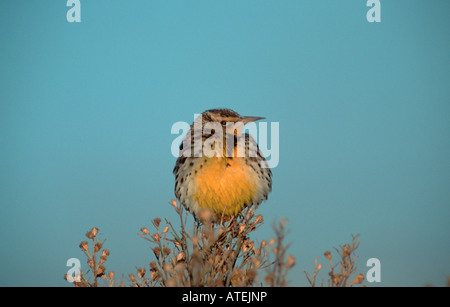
(220, 170)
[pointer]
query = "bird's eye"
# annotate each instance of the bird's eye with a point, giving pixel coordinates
(223, 123)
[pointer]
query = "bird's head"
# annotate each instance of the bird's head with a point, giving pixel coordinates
(227, 116)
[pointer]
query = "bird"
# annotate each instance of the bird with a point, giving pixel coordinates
(220, 170)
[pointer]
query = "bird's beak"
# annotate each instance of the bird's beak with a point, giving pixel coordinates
(249, 119)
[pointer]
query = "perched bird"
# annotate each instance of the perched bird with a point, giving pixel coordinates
(220, 170)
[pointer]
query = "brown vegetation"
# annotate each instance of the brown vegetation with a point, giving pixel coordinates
(213, 255)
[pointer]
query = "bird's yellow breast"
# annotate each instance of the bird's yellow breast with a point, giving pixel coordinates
(224, 185)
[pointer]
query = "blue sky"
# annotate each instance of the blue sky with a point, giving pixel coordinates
(86, 111)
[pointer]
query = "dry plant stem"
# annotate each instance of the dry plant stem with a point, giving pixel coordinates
(238, 247)
(95, 262)
(282, 264)
(340, 274)
(312, 280)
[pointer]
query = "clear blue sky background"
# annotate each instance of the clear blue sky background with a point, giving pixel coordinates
(86, 111)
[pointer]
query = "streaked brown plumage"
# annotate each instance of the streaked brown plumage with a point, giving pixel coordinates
(220, 171)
